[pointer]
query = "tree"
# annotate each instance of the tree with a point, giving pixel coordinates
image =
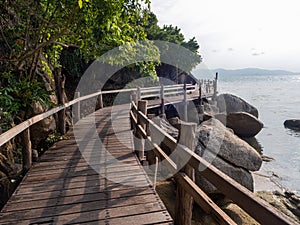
(33, 35)
(174, 35)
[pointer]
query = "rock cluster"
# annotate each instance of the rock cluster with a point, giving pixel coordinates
(218, 139)
(238, 115)
(287, 202)
(229, 103)
(227, 152)
(7, 171)
(42, 129)
(292, 124)
(244, 124)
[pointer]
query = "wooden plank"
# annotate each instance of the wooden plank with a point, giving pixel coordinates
(76, 199)
(116, 192)
(132, 116)
(40, 168)
(95, 217)
(203, 200)
(157, 134)
(79, 207)
(100, 173)
(161, 153)
(184, 200)
(255, 206)
(29, 189)
(8, 135)
(63, 187)
(58, 177)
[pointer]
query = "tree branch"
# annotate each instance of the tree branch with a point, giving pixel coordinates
(66, 45)
(50, 41)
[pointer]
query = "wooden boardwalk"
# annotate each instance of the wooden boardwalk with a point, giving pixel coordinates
(93, 185)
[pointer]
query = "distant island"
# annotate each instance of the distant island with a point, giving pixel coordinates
(252, 71)
(204, 73)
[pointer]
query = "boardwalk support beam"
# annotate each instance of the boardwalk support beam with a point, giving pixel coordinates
(184, 201)
(76, 107)
(100, 100)
(60, 92)
(162, 97)
(215, 82)
(139, 94)
(185, 103)
(26, 150)
(140, 142)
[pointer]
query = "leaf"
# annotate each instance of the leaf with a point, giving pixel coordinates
(80, 3)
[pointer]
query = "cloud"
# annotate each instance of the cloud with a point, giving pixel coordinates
(237, 30)
(258, 53)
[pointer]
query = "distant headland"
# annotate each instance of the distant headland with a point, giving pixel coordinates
(253, 71)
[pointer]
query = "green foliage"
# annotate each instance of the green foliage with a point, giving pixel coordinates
(34, 34)
(72, 63)
(174, 35)
(38, 37)
(31, 28)
(18, 95)
(50, 140)
(136, 51)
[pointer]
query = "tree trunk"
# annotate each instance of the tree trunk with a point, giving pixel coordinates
(60, 93)
(26, 150)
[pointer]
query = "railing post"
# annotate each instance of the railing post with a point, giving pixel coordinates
(26, 150)
(139, 94)
(185, 103)
(133, 97)
(100, 100)
(60, 86)
(162, 97)
(76, 107)
(184, 201)
(206, 87)
(215, 87)
(200, 92)
(142, 107)
(201, 109)
(150, 155)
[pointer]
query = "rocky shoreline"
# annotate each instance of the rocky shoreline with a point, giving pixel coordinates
(223, 126)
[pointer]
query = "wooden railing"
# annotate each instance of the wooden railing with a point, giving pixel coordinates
(139, 93)
(146, 130)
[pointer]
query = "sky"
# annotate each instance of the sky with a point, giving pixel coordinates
(236, 34)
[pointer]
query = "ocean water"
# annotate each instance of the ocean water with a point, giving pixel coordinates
(277, 98)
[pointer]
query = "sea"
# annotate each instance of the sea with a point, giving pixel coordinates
(277, 98)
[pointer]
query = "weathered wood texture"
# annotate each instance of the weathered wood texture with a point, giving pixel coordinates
(256, 207)
(184, 200)
(62, 188)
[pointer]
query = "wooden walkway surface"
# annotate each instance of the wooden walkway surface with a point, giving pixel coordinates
(93, 185)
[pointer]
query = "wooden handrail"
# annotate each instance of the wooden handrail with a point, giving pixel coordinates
(255, 206)
(204, 201)
(13, 132)
(138, 92)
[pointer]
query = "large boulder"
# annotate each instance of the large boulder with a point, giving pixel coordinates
(6, 188)
(7, 170)
(229, 103)
(42, 129)
(244, 124)
(213, 136)
(240, 175)
(292, 124)
(167, 126)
